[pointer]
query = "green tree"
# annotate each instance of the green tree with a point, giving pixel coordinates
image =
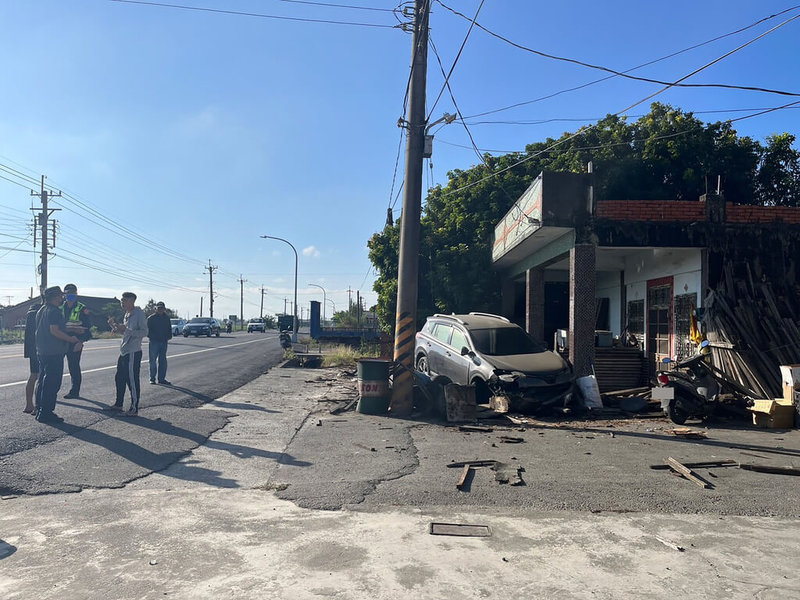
(779, 173)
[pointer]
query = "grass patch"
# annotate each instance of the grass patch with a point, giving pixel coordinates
(345, 356)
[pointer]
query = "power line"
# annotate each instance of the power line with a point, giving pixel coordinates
(392, 10)
(257, 15)
(616, 73)
(455, 61)
(564, 140)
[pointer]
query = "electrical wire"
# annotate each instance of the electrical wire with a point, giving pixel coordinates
(626, 74)
(446, 83)
(619, 113)
(249, 14)
(396, 167)
(339, 5)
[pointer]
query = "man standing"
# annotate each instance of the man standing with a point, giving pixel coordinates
(29, 352)
(51, 346)
(159, 330)
(133, 328)
(78, 324)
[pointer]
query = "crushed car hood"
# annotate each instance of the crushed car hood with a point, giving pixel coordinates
(542, 362)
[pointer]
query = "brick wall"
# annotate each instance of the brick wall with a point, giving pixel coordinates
(680, 211)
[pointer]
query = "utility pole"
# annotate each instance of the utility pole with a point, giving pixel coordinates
(241, 300)
(261, 314)
(211, 268)
(201, 306)
(43, 216)
(408, 265)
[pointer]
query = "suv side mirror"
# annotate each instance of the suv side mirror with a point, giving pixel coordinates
(466, 351)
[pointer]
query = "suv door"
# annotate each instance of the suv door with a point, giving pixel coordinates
(454, 365)
(437, 347)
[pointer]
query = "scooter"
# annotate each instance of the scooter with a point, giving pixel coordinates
(690, 390)
(285, 339)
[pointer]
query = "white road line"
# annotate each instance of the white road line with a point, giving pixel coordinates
(169, 357)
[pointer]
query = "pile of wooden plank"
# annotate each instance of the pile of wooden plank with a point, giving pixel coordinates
(754, 327)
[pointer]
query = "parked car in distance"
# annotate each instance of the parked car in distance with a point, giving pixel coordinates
(497, 357)
(256, 325)
(177, 326)
(201, 326)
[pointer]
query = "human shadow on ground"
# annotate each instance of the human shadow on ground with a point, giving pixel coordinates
(146, 459)
(6, 549)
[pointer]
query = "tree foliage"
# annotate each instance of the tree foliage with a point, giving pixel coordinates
(667, 154)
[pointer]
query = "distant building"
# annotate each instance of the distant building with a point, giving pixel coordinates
(14, 316)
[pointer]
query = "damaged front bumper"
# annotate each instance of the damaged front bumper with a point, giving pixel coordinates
(530, 394)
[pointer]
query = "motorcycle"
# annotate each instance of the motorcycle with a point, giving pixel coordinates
(691, 389)
(285, 339)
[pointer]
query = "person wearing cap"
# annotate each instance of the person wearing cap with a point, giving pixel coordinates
(159, 330)
(52, 341)
(133, 329)
(78, 324)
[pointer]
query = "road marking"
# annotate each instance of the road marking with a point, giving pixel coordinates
(171, 356)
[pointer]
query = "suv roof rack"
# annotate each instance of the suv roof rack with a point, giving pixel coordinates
(483, 314)
(452, 317)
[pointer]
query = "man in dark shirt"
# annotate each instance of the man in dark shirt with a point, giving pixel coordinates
(29, 352)
(51, 346)
(159, 330)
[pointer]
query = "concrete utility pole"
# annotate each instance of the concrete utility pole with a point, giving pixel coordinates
(43, 216)
(211, 268)
(261, 314)
(241, 299)
(408, 266)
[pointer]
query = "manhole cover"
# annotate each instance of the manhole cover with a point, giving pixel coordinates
(460, 530)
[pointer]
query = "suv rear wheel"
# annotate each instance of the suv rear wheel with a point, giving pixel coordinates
(422, 364)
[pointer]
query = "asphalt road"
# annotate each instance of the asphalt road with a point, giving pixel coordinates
(42, 458)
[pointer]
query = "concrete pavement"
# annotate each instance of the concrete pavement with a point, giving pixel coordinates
(211, 526)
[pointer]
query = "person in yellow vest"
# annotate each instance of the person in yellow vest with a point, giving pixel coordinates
(78, 323)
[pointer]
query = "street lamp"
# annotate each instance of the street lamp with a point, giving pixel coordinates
(294, 314)
(324, 300)
(332, 304)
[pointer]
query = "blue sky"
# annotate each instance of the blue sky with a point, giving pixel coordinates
(200, 131)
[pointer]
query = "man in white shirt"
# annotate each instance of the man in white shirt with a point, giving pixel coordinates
(133, 328)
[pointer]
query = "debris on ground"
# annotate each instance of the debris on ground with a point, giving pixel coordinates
(505, 473)
(475, 429)
(670, 544)
(687, 473)
(465, 475)
(688, 433)
(770, 469)
(460, 529)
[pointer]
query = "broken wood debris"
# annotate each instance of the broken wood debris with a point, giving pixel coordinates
(475, 429)
(508, 439)
(688, 433)
(770, 469)
(462, 481)
(687, 473)
(472, 463)
(460, 529)
(753, 328)
(701, 465)
(670, 544)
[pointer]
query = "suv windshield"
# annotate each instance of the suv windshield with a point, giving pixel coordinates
(200, 320)
(504, 341)
(174, 321)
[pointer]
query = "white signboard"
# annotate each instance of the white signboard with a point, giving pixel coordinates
(524, 218)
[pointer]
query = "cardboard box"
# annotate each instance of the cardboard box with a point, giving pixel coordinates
(773, 414)
(790, 381)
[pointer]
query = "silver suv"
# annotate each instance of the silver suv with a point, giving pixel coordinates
(497, 357)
